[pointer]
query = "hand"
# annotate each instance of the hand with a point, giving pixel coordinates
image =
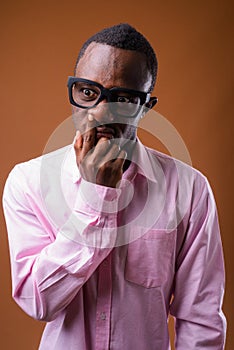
(101, 163)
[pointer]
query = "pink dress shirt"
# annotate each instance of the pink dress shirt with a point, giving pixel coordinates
(104, 267)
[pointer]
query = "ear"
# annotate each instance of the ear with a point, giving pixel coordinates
(152, 102)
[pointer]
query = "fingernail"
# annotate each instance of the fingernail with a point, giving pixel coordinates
(77, 135)
(90, 117)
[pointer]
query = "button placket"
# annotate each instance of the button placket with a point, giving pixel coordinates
(103, 305)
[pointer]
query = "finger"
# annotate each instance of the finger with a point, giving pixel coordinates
(99, 152)
(119, 161)
(111, 155)
(78, 143)
(78, 140)
(89, 137)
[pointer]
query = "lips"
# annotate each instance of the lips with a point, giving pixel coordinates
(103, 131)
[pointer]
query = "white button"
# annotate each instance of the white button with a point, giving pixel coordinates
(103, 316)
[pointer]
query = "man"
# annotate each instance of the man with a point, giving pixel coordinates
(107, 236)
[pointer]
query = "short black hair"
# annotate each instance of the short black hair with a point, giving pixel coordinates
(124, 36)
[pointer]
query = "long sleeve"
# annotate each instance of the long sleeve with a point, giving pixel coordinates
(199, 279)
(49, 269)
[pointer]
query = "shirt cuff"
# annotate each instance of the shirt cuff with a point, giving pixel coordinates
(95, 198)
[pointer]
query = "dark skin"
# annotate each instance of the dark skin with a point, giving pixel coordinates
(102, 142)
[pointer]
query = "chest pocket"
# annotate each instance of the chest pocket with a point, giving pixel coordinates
(150, 259)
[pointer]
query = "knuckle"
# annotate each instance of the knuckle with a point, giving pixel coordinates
(88, 138)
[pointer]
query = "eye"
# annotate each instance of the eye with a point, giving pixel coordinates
(85, 95)
(123, 99)
(89, 93)
(128, 99)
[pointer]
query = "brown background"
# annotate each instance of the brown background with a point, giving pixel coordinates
(194, 43)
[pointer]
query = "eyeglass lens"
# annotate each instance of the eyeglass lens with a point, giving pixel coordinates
(87, 95)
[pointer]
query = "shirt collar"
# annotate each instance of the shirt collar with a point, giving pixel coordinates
(144, 162)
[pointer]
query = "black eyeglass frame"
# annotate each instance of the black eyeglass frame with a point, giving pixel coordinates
(107, 93)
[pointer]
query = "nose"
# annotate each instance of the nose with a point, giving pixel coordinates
(101, 113)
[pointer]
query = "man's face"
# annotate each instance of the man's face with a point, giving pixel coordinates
(111, 67)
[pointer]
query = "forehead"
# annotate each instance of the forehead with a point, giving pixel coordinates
(111, 66)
